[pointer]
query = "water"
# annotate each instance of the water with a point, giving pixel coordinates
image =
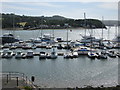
(65, 72)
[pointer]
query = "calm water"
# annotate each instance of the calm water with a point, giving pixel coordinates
(65, 72)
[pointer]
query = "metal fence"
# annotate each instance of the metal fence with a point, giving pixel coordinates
(17, 77)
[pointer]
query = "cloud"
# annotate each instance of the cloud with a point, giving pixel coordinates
(28, 6)
(8, 7)
(60, 1)
(45, 4)
(110, 5)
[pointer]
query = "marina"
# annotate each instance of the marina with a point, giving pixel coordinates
(47, 60)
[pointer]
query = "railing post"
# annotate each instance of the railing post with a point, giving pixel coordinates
(17, 80)
(23, 76)
(7, 78)
(26, 80)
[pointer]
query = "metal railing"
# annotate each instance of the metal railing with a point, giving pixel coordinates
(8, 76)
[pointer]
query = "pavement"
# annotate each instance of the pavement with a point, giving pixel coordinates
(14, 83)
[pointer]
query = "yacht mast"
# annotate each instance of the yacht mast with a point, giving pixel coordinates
(85, 23)
(102, 26)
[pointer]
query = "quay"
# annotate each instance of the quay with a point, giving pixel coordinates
(15, 81)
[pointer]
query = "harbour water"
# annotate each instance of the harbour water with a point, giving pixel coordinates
(62, 72)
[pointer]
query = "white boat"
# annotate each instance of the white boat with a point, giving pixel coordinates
(87, 39)
(92, 55)
(118, 54)
(112, 54)
(46, 38)
(75, 54)
(82, 50)
(30, 54)
(117, 45)
(4, 53)
(12, 47)
(1, 53)
(42, 45)
(101, 56)
(48, 46)
(19, 55)
(108, 45)
(9, 54)
(42, 55)
(68, 55)
(54, 55)
(26, 46)
(48, 55)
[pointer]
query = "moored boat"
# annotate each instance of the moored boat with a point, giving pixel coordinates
(29, 54)
(9, 54)
(8, 38)
(92, 55)
(19, 55)
(54, 55)
(112, 54)
(42, 55)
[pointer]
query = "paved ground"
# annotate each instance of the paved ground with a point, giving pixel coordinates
(14, 82)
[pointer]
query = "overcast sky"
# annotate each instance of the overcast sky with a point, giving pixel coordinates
(68, 9)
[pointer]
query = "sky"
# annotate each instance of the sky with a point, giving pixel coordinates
(69, 9)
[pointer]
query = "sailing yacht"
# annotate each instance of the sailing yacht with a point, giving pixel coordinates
(87, 38)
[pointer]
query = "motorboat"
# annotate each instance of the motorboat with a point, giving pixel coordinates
(12, 47)
(54, 55)
(29, 54)
(66, 46)
(46, 38)
(109, 45)
(118, 54)
(1, 53)
(59, 39)
(9, 54)
(112, 54)
(42, 55)
(4, 52)
(75, 54)
(42, 45)
(59, 46)
(26, 46)
(48, 55)
(101, 55)
(68, 55)
(117, 45)
(92, 55)
(8, 38)
(19, 55)
(48, 46)
(82, 50)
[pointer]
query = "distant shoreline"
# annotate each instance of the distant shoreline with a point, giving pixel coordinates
(40, 29)
(46, 28)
